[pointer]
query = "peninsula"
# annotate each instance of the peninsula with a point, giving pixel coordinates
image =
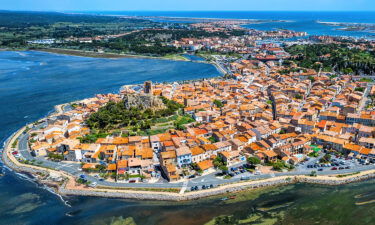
(285, 110)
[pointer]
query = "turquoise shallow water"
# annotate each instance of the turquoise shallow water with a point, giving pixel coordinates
(31, 83)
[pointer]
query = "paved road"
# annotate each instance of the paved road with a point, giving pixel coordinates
(74, 169)
(362, 103)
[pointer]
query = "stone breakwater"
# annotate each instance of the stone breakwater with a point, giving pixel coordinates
(65, 189)
(11, 162)
(339, 181)
(226, 189)
(148, 195)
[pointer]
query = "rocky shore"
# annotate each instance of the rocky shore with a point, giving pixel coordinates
(226, 189)
(66, 185)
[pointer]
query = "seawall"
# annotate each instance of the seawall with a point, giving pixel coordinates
(69, 187)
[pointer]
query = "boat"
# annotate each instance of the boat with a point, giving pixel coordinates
(73, 213)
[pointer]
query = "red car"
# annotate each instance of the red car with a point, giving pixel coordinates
(334, 168)
(15, 153)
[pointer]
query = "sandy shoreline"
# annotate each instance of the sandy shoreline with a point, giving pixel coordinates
(93, 54)
(81, 53)
(88, 53)
(69, 187)
(72, 52)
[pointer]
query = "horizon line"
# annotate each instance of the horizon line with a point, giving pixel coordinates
(68, 10)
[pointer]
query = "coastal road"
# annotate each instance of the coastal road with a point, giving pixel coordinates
(74, 169)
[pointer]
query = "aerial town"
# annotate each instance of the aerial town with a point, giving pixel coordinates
(266, 115)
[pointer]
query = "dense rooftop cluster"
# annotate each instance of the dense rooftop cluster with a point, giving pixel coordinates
(258, 112)
(267, 108)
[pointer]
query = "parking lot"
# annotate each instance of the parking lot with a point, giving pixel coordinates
(340, 163)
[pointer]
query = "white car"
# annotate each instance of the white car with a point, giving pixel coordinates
(93, 184)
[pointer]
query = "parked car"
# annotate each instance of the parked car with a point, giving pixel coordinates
(245, 178)
(334, 168)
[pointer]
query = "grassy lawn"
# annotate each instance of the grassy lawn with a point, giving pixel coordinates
(175, 57)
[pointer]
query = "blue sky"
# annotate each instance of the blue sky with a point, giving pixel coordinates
(186, 5)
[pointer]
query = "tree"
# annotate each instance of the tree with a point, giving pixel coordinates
(55, 156)
(298, 96)
(280, 165)
(277, 166)
(218, 103)
(212, 139)
(253, 161)
(101, 168)
(219, 161)
(326, 158)
(223, 168)
(360, 89)
(334, 57)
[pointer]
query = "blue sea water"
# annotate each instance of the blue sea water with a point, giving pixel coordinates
(31, 83)
(298, 21)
